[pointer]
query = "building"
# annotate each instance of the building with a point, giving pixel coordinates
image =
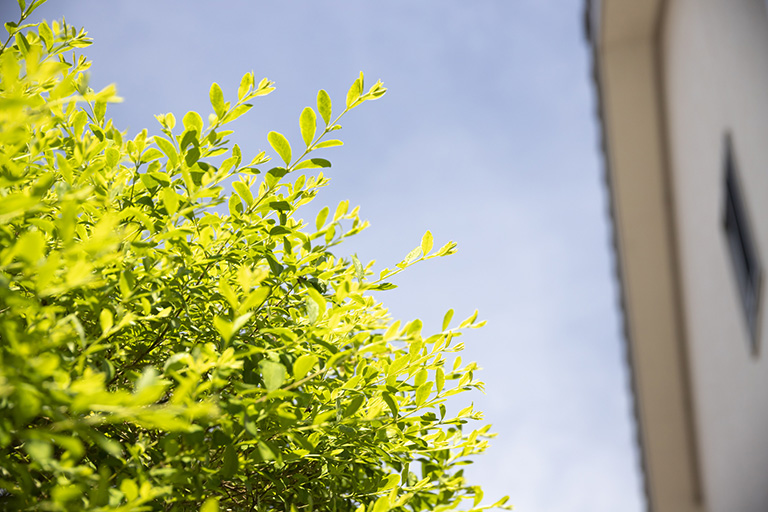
(683, 89)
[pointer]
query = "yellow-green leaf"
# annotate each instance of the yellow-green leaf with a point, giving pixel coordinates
(439, 379)
(210, 505)
(303, 365)
(229, 462)
(329, 144)
(426, 243)
(223, 327)
(246, 83)
(324, 105)
(281, 145)
(193, 122)
(313, 163)
(255, 299)
(243, 191)
(381, 505)
(308, 125)
(170, 200)
(422, 393)
(355, 91)
(167, 147)
(321, 216)
(217, 99)
(105, 320)
(389, 482)
(447, 319)
(318, 299)
(273, 374)
(228, 294)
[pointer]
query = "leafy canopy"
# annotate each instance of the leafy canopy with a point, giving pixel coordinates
(168, 345)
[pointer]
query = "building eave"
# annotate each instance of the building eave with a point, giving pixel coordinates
(627, 68)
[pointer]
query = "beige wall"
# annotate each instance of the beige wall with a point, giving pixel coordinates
(632, 120)
(715, 80)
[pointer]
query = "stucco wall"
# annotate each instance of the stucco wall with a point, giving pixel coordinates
(715, 80)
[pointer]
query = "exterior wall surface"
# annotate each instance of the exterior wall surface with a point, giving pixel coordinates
(628, 74)
(714, 57)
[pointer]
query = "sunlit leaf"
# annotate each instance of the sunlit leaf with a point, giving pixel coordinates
(281, 146)
(273, 374)
(324, 105)
(217, 99)
(303, 365)
(308, 125)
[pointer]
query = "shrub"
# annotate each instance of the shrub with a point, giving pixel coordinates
(168, 345)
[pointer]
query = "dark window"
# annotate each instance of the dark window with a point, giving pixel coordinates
(746, 263)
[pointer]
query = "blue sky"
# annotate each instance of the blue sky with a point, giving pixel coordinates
(488, 136)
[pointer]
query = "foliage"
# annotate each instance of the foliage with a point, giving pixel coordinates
(167, 345)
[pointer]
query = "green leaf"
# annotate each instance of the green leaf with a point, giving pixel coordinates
(283, 206)
(303, 365)
(308, 125)
(22, 43)
(241, 321)
(469, 320)
(447, 319)
(246, 83)
(426, 243)
(170, 120)
(129, 487)
(439, 379)
(192, 155)
(243, 191)
(324, 105)
(45, 34)
(381, 505)
(170, 200)
(412, 256)
(237, 112)
(255, 299)
(447, 249)
(422, 393)
(329, 144)
(354, 92)
(272, 373)
(358, 268)
(279, 230)
(217, 100)
(312, 163)
(167, 147)
(39, 450)
(318, 299)
(151, 154)
(159, 177)
(210, 505)
(31, 246)
(193, 122)
(229, 295)
(281, 146)
(223, 327)
(313, 311)
(321, 216)
(229, 463)
(341, 210)
(389, 482)
(391, 403)
(105, 320)
(397, 365)
(266, 451)
(100, 110)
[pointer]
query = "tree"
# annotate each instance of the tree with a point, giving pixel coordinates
(168, 345)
